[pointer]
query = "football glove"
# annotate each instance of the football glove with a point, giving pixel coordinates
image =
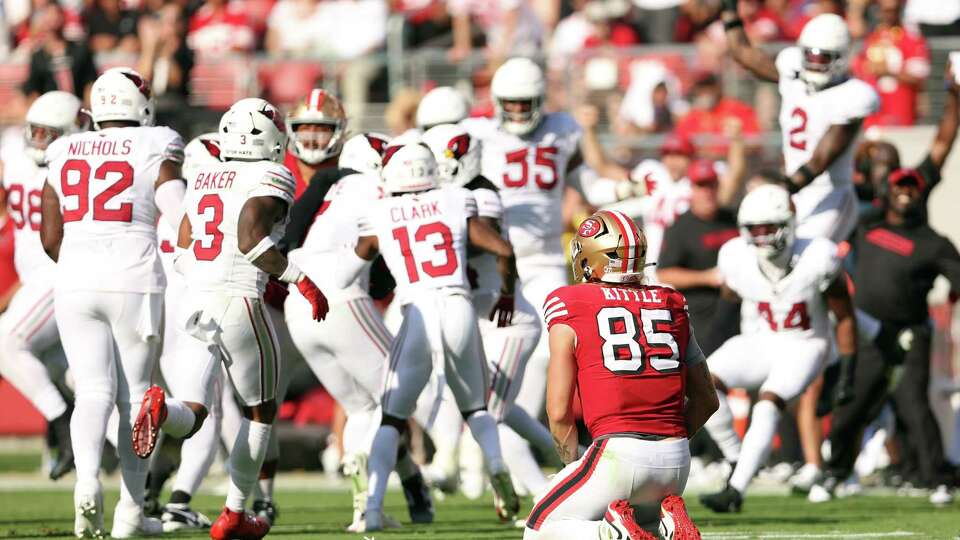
(502, 311)
(844, 391)
(313, 295)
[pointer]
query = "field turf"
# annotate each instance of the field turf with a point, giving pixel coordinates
(31, 513)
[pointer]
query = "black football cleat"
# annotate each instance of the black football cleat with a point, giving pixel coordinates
(725, 501)
(419, 501)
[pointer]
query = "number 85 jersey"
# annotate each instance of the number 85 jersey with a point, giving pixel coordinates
(634, 345)
(213, 204)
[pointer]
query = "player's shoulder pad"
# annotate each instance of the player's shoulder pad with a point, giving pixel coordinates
(481, 182)
(58, 147)
(171, 142)
(823, 251)
(671, 297)
(557, 305)
(562, 123)
(789, 62)
(479, 127)
(276, 180)
(735, 247)
(860, 96)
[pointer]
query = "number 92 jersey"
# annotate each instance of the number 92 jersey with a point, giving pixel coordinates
(213, 203)
(105, 182)
(530, 173)
(634, 345)
(792, 305)
(423, 238)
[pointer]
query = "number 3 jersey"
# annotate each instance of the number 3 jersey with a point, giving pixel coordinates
(105, 182)
(530, 173)
(423, 238)
(634, 345)
(213, 204)
(23, 183)
(793, 304)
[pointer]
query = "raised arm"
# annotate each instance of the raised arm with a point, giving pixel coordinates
(751, 58)
(949, 120)
(837, 139)
(561, 387)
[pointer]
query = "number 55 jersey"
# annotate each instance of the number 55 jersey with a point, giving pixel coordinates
(634, 345)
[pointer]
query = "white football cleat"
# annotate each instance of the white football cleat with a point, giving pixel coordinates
(374, 520)
(941, 496)
(129, 521)
(88, 505)
(819, 494)
(806, 477)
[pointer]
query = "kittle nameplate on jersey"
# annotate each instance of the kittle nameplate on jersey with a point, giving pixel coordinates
(417, 211)
(647, 296)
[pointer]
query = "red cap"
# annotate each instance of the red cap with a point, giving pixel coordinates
(677, 144)
(903, 174)
(702, 171)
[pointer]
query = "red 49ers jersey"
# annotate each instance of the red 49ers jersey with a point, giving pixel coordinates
(634, 345)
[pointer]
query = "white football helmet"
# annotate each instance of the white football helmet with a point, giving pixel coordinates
(825, 45)
(409, 168)
(201, 150)
(319, 107)
(51, 116)
(456, 152)
(121, 94)
(364, 153)
(442, 105)
(519, 79)
(767, 219)
(252, 130)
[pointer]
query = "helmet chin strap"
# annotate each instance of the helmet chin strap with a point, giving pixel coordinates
(775, 264)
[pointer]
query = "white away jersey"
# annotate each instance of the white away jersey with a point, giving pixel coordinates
(806, 117)
(530, 173)
(794, 304)
(423, 238)
(105, 182)
(336, 227)
(23, 183)
(212, 204)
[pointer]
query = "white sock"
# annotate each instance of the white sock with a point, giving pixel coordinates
(133, 469)
(446, 432)
(197, 455)
(529, 428)
(88, 427)
(383, 458)
(265, 489)
(246, 458)
(756, 443)
(230, 419)
(180, 419)
(484, 430)
(523, 466)
(357, 432)
(720, 428)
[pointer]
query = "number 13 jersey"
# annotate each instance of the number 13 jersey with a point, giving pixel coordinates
(423, 238)
(634, 345)
(213, 203)
(105, 182)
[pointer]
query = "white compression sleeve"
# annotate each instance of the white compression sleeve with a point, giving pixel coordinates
(169, 199)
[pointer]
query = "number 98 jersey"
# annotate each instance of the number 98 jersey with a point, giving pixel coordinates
(423, 238)
(213, 203)
(634, 345)
(105, 182)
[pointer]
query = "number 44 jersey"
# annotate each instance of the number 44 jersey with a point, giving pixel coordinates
(214, 200)
(105, 182)
(634, 345)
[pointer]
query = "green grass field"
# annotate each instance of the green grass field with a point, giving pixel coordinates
(321, 515)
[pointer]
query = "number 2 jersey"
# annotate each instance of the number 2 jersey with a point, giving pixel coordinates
(105, 181)
(530, 173)
(794, 304)
(214, 200)
(23, 183)
(634, 345)
(423, 238)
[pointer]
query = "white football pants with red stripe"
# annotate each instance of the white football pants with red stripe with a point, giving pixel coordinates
(28, 341)
(642, 472)
(348, 353)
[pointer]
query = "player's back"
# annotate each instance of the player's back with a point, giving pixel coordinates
(530, 173)
(423, 238)
(213, 203)
(105, 181)
(23, 183)
(631, 353)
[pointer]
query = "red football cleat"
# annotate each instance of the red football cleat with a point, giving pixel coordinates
(153, 412)
(238, 526)
(620, 517)
(673, 508)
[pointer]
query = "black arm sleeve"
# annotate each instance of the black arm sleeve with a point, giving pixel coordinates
(948, 263)
(381, 280)
(305, 209)
(931, 176)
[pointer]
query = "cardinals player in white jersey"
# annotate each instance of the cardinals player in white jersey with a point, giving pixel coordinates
(821, 111)
(422, 232)
(235, 213)
(786, 287)
(349, 356)
(104, 192)
(507, 347)
(28, 330)
(530, 156)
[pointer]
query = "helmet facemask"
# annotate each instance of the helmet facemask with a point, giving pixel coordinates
(821, 68)
(772, 240)
(313, 146)
(519, 122)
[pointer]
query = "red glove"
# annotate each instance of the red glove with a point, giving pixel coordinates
(316, 298)
(276, 293)
(502, 311)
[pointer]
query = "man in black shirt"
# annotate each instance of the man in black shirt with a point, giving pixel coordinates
(898, 259)
(688, 258)
(58, 64)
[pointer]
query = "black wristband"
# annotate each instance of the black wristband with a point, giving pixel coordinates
(730, 25)
(807, 176)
